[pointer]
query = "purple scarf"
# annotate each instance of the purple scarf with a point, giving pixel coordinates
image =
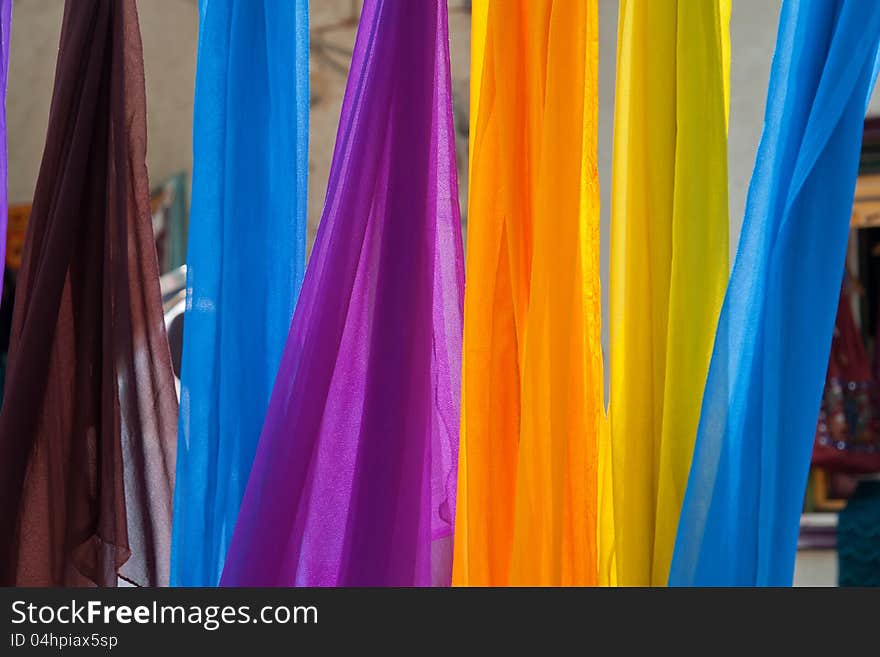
(354, 478)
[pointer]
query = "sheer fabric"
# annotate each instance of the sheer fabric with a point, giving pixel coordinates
(354, 478)
(669, 261)
(533, 419)
(740, 517)
(87, 430)
(245, 260)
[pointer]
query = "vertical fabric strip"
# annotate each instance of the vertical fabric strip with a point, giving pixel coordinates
(740, 518)
(354, 478)
(245, 260)
(532, 409)
(669, 262)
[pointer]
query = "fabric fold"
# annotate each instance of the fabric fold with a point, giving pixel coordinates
(245, 260)
(740, 518)
(533, 417)
(669, 261)
(354, 479)
(87, 429)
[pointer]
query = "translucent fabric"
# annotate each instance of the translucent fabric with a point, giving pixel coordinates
(87, 430)
(245, 259)
(533, 418)
(354, 478)
(740, 517)
(669, 261)
(5, 33)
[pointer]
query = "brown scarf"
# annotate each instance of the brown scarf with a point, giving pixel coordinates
(88, 425)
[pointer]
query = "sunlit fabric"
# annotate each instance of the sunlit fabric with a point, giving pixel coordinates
(245, 259)
(533, 417)
(669, 261)
(87, 430)
(740, 518)
(354, 478)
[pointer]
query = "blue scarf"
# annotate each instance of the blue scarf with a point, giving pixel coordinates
(245, 260)
(740, 519)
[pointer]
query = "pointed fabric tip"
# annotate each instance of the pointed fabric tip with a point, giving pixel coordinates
(88, 427)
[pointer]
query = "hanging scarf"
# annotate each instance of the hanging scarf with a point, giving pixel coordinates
(354, 479)
(533, 417)
(245, 260)
(740, 517)
(669, 262)
(87, 429)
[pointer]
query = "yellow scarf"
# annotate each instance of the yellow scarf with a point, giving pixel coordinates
(669, 261)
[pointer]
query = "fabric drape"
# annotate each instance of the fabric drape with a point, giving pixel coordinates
(354, 478)
(533, 418)
(669, 261)
(87, 430)
(245, 260)
(740, 517)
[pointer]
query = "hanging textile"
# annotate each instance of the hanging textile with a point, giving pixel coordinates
(5, 34)
(87, 431)
(740, 517)
(533, 419)
(360, 441)
(245, 260)
(669, 262)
